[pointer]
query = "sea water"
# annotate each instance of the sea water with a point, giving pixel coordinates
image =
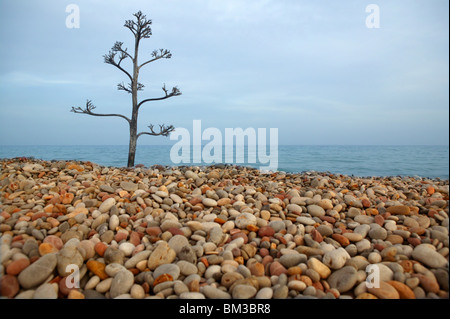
(424, 161)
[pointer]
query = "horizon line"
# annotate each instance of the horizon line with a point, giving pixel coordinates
(59, 145)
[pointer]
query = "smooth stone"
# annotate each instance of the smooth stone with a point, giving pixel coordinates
(276, 269)
(129, 186)
(362, 229)
(15, 267)
(278, 225)
(281, 292)
(336, 258)
(121, 283)
(363, 245)
(325, 204)
(316, 211)
(442, 278)
(399, 210)
(343, 279)
(215, 293)
(29, 246)
(385, 291)
(188, 254)
(245, 219)
(88, 247)
(319, 267)
(177, 243)
(212, 270)
(374, 258)
(37, 234)
(297, 285)
(215, 235)
(243, 292)
(107, 236)
(354, 237)
(353, 212)
(265, 293)
(163, 254)
(140, 256)
(46, 291)
(9, 286)
(180, 287)
(192, 295)
(113, 269)
(428, 282)
(38, 272)
(256, 269)
(325, 230)
(68, 256)
(106, 205)
(426, 254)
(113, 255)
(114, 222)
(363, 219)
(187, 268)
(378, 233)
(352, 250)
(294, 208)
(229, 278)
(403, 290)
(107, 188)
(266, 231)
(353, 201)
(171, 269)
(137, 291)
(386, 273)
(104, 285)
(97, 268)
(209, 202)
(92, 283)
(305, 220)
(127, 248)
(291, 260)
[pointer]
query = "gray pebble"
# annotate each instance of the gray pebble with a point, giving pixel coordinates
(171, 269)
(121, 283)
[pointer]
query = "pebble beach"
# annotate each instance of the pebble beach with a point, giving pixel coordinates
(218, 232)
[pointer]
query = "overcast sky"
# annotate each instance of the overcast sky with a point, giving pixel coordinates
(312, 69)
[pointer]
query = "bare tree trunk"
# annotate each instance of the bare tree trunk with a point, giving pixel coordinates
(134, 116)
(132, 144)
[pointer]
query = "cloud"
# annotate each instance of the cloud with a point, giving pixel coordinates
(28, 79)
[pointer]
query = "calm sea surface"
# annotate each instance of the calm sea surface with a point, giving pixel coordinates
(424, 161)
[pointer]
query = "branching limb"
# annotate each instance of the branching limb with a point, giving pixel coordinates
(129, 89)
(163, 131)
(140, 28)
(161, 54)
(110, 59)
(123, 52)
(175, 92)
(88, 110)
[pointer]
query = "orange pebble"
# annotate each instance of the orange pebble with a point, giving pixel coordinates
(162, 278)
(98, 268)
(100, 248)
(75, 294)
(67, 198)
(205, 261)
(344, 241)
(15, 267)
(47, 248)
